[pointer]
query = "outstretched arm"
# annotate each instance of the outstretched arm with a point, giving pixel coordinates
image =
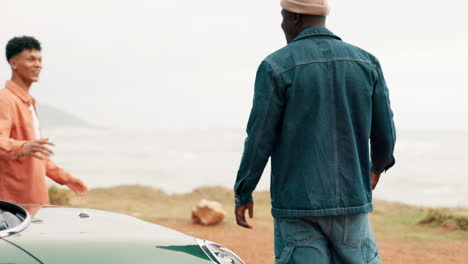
(61, 176)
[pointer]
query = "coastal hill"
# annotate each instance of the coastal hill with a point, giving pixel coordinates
(52, 117)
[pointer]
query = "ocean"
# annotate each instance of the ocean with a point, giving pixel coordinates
(430, 170)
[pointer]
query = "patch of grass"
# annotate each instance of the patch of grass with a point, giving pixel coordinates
(59, 196)
(446, 219)
(155, 205)
(400, 221)
(390, 220)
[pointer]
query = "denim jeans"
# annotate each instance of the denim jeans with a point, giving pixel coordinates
(342, 239)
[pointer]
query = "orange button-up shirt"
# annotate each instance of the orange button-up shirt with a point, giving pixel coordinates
(22, 179)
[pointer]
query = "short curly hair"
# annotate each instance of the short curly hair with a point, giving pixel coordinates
(17, 44)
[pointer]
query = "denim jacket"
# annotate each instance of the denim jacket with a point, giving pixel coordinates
(321, 110)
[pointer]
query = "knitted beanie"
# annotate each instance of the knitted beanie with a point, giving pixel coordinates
(306, 7)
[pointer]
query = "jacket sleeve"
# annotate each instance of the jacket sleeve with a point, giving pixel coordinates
(56, 173)
(10, 149)
(383, 134)
(262, 129)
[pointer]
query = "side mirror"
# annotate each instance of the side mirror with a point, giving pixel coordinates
(13, 219)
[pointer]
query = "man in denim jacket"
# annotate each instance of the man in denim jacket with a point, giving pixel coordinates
(318, 103)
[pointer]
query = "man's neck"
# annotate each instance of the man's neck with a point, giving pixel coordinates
(312, 25)
(313, 21)
(21, 83)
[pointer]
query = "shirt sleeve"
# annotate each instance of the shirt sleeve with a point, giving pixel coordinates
(262, 129)
(56, 173)
(383, 136)
(10, 148)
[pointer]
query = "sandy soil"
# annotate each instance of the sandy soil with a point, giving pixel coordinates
(256, 246)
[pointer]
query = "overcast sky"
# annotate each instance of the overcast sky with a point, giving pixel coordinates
(165, 64)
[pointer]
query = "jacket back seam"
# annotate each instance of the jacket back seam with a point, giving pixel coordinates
(319, 61)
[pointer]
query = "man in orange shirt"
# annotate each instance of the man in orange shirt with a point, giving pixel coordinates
(24, 155)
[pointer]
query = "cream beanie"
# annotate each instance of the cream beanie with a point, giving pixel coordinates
(306, 7)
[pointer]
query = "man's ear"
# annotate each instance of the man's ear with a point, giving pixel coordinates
(12, 63)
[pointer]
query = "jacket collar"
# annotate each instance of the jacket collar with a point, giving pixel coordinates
(21, 93)
(316, 31)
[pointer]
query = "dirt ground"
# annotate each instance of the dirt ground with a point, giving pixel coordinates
(256, 246)
(401, 237)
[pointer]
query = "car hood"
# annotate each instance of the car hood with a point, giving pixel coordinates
(60, 235)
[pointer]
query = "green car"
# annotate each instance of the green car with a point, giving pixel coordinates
(35, 234)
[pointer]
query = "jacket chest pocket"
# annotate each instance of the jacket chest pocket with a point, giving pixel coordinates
(23, 126)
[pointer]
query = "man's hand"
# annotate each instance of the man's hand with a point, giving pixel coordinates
(37, 149)
(374, 179)
(77, 186)
(240, 214)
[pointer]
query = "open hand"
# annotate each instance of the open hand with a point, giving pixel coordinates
(77, 186)
(37, 149)
(240, 214)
